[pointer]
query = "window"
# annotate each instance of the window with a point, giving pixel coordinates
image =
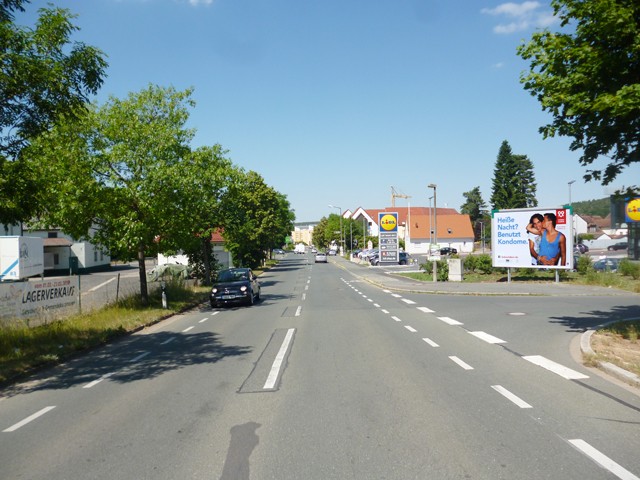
(52, 234)
(56, 258)
(95, 255)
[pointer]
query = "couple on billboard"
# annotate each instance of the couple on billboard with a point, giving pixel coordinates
(547, 245)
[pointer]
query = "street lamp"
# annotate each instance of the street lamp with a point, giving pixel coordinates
(435, 227)
(570, 183)
(341, 239)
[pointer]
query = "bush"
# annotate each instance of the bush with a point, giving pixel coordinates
(585, 264)
(478, 263)
(442, 269)
(629, 268)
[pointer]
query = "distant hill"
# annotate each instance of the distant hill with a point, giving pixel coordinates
(600, 208)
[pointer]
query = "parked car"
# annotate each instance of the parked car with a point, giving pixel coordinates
(332, 252)
(403, 259)
(278, 251)
(606, 265)
(582, 247)
(235, 285)
(448, 251)
(321, 257)
(618, 246)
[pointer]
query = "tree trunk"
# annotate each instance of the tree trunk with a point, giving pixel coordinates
(142, 269)
(207, 261)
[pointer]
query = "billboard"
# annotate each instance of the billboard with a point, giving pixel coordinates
(532, 238)
(388, 237)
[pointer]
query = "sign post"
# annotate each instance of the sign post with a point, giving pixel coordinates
(388, 237)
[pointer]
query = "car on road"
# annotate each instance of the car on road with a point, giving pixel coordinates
(582, 247)
(235, 285)
(606, 265)
(618, 246)
(321, 257)
(448, 251)
(403, 259)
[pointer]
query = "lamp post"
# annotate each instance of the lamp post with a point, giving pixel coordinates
(435, 227)
(570, 183)
(341, 239)
(430, 224)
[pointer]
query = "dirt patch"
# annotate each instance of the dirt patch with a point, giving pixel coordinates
(618, 344)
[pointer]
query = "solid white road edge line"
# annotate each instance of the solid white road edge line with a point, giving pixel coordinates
(277, 363)
(514, 398)
(603, 460)
(30, 418)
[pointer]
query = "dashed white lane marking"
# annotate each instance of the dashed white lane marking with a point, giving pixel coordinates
(95, 382)
(517, 314)
(187, 329)
(487, 337)
(298, 310)
(431, 342)
(408, 302)
(411, 329)
(450, 321)
(102, 284)
(555, 367)
(514, 398)
(396, 295)
(384, 311)
(376, 305)
(277, 363)
(602, 460)
(396, 319)
(139, 357)
(425, 310)
(203, 320)
(369, 300)
(304, 297)
(168, 340)
(306, 287)
(386, 291)
(29, 419)
(464, 365)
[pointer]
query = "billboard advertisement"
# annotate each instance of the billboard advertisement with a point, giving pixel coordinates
(532, 238)
(388, 237)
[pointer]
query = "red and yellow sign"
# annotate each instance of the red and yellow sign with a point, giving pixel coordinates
(633, 210)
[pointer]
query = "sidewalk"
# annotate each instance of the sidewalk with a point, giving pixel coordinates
(389, 279)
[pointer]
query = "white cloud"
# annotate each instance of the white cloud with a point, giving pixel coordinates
(523, 16)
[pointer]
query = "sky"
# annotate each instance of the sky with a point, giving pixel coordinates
(334, 102)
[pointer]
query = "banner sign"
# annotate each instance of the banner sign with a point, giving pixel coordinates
(388, 237)
(532, 238)
(35, 298)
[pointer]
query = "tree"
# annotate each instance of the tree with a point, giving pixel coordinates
(43, 76)
(513, 181)
(589, 80)
(474, 206)
(119, 169)
(257, 218)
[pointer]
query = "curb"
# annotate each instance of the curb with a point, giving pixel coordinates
(610, 368)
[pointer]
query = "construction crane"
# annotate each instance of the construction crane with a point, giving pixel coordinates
(395, 195)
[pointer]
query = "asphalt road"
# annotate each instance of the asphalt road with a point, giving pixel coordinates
(330, 377)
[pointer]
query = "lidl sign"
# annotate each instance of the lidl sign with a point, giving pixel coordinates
(389, 222)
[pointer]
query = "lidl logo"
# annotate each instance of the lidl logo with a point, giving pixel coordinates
(389, 222)
(633, 210)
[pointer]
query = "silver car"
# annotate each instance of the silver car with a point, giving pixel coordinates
(321, 257)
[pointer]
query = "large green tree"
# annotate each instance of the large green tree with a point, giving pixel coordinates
(121, 169)
(513, 183)
(43, 75)
(588, 78)
(257, 218)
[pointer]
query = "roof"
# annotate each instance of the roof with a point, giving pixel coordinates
(449, 226)
(404, 212)
(56, 242)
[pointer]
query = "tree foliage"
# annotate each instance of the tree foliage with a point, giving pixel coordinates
(589, 80)
(43, 76)
(513, 181)
(474, 206)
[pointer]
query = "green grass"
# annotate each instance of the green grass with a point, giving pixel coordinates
(24, 348)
